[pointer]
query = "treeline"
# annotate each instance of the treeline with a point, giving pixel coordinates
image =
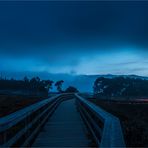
(120, 86)
(34, 84)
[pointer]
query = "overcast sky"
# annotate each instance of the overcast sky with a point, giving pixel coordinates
(74, 37)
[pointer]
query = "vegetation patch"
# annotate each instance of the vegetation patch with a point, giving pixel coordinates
(121, 87)
(10, 104)
(133, 117)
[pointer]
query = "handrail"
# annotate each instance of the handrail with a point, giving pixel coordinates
(13, 118)
(110, 131)
(23, 117)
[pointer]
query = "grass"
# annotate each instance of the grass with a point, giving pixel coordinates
(133, 117)
(10, 104)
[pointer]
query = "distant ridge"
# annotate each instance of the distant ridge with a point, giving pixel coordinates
(84, 83)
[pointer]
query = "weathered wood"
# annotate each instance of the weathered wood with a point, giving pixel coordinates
(22, 115)
(112, 135)
(65, 128)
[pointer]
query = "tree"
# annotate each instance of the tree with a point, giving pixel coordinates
(26, 79)
(58, 84)
(121, 87)
(71, 89)
(47, 84)
(33, 82)
(97, 84)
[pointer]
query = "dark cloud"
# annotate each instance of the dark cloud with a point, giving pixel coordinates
(50, 23)
(63, 33)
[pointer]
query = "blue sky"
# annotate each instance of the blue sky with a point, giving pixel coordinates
(74, 37)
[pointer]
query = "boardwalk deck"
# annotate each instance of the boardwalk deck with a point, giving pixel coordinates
(64, 129)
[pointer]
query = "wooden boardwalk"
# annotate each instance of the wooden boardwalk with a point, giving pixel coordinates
(65, 128)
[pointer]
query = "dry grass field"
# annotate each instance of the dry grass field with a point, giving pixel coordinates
(9, 104)
(133, 117)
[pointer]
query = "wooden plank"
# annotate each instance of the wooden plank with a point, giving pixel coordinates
(65, 128)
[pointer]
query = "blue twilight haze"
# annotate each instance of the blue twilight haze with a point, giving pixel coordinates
(74, 37)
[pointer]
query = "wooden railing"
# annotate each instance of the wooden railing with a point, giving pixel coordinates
(104, 127)
(20, 128)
